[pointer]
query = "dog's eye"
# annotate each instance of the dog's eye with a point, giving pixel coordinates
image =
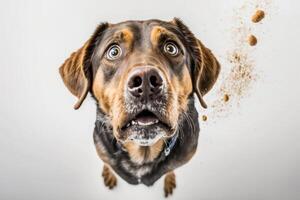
(171, 49)
(114, 52)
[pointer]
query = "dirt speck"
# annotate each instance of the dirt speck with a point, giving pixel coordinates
(204, 118)
(252, 40)
(226, 97)
(258, 16)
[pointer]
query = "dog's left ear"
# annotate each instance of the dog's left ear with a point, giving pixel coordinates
(205, 67)
(76, 70)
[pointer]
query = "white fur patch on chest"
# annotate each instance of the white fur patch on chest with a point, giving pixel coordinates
(137, 172)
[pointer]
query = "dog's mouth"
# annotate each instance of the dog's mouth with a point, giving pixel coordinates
(145, 127)
(145, 119)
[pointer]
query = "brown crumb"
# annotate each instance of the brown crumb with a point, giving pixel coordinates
(252, 40)
(226, 97)
(204, 118)
(259, 15)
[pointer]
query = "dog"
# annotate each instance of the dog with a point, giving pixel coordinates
(143, 76)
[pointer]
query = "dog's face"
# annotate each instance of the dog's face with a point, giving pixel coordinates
(142, 74)
(142, 79)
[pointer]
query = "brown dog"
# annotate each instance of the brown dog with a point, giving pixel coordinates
(142, 75)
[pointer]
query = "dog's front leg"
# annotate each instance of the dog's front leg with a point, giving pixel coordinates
(110, 180)
(170, 183)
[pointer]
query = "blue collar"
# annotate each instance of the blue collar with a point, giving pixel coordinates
(170, 144)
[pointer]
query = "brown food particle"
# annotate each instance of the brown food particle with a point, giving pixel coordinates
(259, 15)
(204, 118)
(252, 40)
(226, 97)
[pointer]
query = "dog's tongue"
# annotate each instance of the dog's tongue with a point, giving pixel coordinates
(147, 119)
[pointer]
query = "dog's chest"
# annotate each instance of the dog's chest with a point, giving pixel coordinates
(120, 161)
(137, 171)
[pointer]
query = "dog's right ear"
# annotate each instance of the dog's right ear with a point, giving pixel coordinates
(205, 69)
(76, 71)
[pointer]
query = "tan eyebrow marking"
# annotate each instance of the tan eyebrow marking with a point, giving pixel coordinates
(156, 32)
(125, 35)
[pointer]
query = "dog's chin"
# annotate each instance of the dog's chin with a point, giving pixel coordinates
(146, 135)
(144, 141)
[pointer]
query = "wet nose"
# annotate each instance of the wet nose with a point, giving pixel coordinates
(145, 82)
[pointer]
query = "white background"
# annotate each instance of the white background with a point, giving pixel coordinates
(46, 148)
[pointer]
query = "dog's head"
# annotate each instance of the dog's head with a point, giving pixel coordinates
(142, 75)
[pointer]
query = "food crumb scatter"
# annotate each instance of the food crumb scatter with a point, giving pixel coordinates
(252, 40)
(238, 77)
(258, 16)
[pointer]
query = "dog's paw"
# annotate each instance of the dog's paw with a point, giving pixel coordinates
(170, 183)
(110, 180)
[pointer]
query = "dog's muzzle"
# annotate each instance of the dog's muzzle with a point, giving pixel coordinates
(146, 100)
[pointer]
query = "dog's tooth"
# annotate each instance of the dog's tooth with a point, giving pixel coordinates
(146, 123)
(140, 123)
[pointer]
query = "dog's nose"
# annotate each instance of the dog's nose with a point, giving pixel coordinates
(145, 82)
